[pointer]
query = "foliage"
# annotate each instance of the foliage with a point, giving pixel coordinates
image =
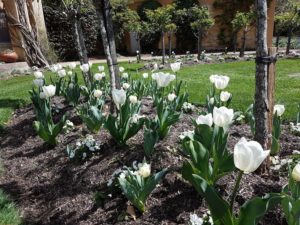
(137, 186)
(201, 20)
(8, 211)
(60, 31)
(92, 116)
(83, 149)
(242, 20)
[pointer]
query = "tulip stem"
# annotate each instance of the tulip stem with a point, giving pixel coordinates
(236, 187)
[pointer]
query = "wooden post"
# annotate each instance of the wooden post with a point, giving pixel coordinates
(271, 93)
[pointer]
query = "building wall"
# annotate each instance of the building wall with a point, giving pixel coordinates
(35, 22)
(211, 40)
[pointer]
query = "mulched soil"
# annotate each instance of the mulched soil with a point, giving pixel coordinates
(49, 189)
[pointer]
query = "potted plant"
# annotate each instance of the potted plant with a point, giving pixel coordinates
(8, 56)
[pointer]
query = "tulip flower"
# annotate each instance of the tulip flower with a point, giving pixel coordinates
(223, 116)
(144, 169)
(49, 91)
(101, 68)
(90, 64)
(145, 75)
(72, 65)
(205, 119)
(85, 68)
(249, 155)
(70, 73)
(211, 101)
(38, 82)
(133, 99)
(175, 67)
(125, 75)
(126, 86)
(121, 69)
(97, 93)
(296, 173)
(279, 109)
(171, 97)
(212, 78)
(61, 73)
(59, 66)
(155, 67)
(99, 76)
(224, 96)
(221, 82)
(42, 95)
(38, 75)
(163, 79)
(54, 68)
(119, 97)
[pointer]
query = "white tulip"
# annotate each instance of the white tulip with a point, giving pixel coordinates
(101, 68)
(99, 76)
(212, 78)
(171, 97)
(72, 65)
(126, 86)
(90, 64)
(223, 116)
(133, 99)
(221, 82)
(224, 96)
(211, 101)
(71, 85)
(248, 156)
(119, 97)
(121, 69)
(155, 67)
(125, 75)
(279, 109)
(296, 173)
(205, 119)
(38, 82)
(49, 91)
(195, 220)
(61, 73)
(42, 95)
(163, 79)
(54, 68)
(97, 93)
(38, 75)
(144, 169)
(85, 68)
(175, 67)
(59, 66)
(145, 75)
(70, 73)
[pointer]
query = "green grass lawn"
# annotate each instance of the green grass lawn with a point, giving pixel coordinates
(14, 91)
(8, 212)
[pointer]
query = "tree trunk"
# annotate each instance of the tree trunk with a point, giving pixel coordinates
(170, 44)
(243, 47)
(103, 10)
(288, 46)
(234, 41)
(199, 44)
(277, 40)
(33, 52)
(163, 48)
(138, 40)
(261, 107)
(80, 45)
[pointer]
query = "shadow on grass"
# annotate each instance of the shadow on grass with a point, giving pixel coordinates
(12, 103)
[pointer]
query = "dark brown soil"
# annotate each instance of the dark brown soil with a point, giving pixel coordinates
(50, 189)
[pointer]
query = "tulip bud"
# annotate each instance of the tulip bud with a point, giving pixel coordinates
(205, 119)
(38, 75)
(72, 65)
(101, 68)
(85, 68)
(224, 96)
(126, 86)
(121, 69)
(97, 93)
(296, 173)
(42, 95)
(133, 99)
(119, 97)
(99, 76)
(279, 109)
(125, 75)
(248, 156)
(171, 97)
(145, 75)
(175, 67)
(62, 73)
(70, 73)
(211, 101)
(144, 170)
(38, 82)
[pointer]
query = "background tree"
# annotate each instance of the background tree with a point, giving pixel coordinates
(288, 20)
(104, 13)
(73, 9)
(171, 29)
(242, 21)
(201, 22)
(138, 27)
(161, 19)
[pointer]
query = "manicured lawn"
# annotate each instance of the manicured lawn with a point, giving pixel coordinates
(8, 212)
(14, 91)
